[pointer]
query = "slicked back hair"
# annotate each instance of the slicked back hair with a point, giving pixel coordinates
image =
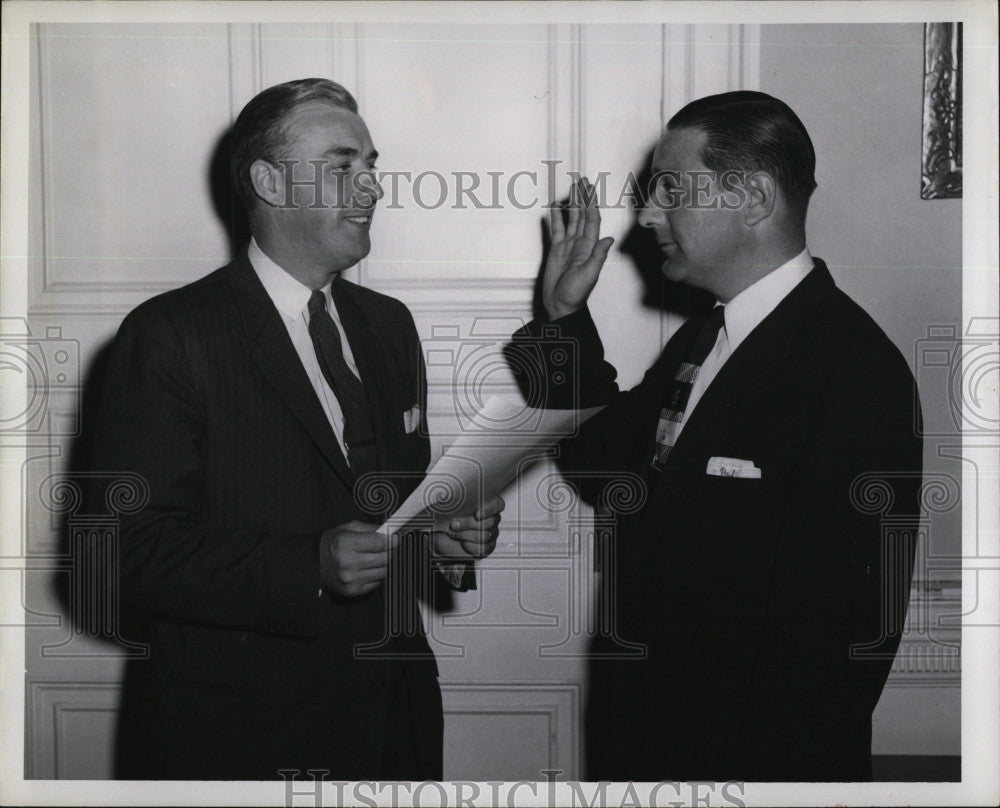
(751, 131)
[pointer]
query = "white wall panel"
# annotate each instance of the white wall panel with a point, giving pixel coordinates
(462, 100)
(510, 731)
(129, 116)
(70, 729)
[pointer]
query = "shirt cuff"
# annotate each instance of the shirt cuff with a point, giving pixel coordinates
(460, 575)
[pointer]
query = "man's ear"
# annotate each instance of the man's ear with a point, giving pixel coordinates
(762, 193)
(268, 182)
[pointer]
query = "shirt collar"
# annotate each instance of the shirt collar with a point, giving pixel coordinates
(290, 297)
(748, 309)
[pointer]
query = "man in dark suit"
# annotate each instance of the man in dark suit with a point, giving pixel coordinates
(763, 589)
(277, 415)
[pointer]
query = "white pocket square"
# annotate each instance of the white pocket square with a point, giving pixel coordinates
(411, 419)
(732, 467)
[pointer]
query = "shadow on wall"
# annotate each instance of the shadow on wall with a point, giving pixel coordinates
(639, 246)
(228, 206)
(88, 595)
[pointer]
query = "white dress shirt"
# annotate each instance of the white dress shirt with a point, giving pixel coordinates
(742, 315)
(291, 298)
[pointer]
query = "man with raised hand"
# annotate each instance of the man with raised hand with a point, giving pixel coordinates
(766, 596)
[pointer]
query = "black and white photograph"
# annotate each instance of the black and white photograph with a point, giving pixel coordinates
(471, 404)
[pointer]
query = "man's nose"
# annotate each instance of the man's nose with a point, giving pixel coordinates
(369, 188)
(651, 214)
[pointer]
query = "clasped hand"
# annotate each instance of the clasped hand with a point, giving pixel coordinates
(354, 556)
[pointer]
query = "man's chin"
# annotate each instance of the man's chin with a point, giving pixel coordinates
(357, 253)
(672, 269)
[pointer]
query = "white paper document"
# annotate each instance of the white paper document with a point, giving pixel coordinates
(503, 438)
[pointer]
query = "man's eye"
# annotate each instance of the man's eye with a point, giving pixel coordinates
(667, 195)
(340, 169)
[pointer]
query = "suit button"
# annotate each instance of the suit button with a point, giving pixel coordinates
(378, 685)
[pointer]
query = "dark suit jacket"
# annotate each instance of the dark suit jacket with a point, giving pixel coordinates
(250, 670)
(770, 608)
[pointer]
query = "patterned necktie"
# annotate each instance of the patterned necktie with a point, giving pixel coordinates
(359, 436)
(680, 388)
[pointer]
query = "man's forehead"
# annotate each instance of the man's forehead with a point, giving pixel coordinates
(679, 149)
(326, 121)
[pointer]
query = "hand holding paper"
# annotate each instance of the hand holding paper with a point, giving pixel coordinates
(473, 536)
(503, 438)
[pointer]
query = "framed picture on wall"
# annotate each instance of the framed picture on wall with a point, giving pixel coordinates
(942, 123)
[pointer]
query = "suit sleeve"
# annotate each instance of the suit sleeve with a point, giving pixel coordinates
(603, 446)
(173, 561)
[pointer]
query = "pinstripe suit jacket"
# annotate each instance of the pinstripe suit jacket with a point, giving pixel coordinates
(249, 669)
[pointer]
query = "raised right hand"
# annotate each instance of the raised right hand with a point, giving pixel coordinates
(575, 255)
(353, 558)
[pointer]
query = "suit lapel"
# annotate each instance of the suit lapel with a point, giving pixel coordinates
(376, 373)
(749, 373)
(274, 355)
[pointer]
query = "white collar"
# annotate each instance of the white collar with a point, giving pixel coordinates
(290, 296)
(746, 311)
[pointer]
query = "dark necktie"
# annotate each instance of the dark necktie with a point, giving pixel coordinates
(359, 436)
(680, 388)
